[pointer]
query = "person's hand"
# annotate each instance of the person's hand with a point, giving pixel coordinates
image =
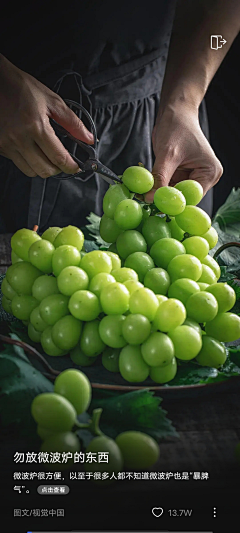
(182, 151)
(26, 136)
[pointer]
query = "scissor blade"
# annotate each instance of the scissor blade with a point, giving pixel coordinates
(104, 172)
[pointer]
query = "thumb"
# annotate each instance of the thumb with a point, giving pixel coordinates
(163, 169)
(64, 116)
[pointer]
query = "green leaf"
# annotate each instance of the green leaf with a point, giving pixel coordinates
(229, 212)
(191, 373)
(138, 411)
(93, 229)
(20, 382)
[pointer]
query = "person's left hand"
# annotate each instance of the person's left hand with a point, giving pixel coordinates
(182, 151)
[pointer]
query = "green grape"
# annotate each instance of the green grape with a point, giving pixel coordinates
(36, 320)
(210, 262)
(203, 286)
(25, 322)
(224, 294)
(91, 343)
(213, 353)
(158, 280)
(114, 299)
(144, 302)
(110, 359)
(33, 334)
(51, 233)
(23, 305)
(207, 275)
(110, 331)
(66, 332)
(53, 411)
(132, 365)
(116, 261)
(112, 248)
(193, 324)
(197, 246)
(48, 345)
(44, 286)
(130, 241)
(22, 240)
(79, 358)
(192, 191)
(115, 459)
(100, 281)
(61, 442)
(182, 289)
(15, 258)
(164, 374)
(176, 232)
(138, 449)
(124, 274)
(114, 195)
(194, 220)
(164, 250)
(44, 433)
(202, 307)
(211, 237)
(225, 327)
(70, 235)
(7, 290)
(108, 229)
(146, 212)
(53, 308)
(170, 315)
(169, 200)
(95, 262)
(63, 256)
(161, 298)
(138, 179)
(21, 277)
(187, 342)
(84, 305)
(158, 349)
(128, 214)
(185, 266)
(140, 262)
(136, 329)
(7, 305)
(72, 279)
(40, 255)
(132, 285)
(155, 228)
(75, 386)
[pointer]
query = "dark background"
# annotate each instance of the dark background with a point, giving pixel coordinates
(223, 107)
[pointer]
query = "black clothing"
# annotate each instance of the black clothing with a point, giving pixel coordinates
(123, 83)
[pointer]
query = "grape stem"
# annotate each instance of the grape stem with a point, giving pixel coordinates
(224, 247)
(93, 424)
(32, 351)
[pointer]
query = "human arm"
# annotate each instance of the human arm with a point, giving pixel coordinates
(26, 136)
(181, 149)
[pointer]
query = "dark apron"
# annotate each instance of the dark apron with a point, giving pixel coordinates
(123, 102)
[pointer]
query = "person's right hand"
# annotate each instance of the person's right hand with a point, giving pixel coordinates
(26, 136)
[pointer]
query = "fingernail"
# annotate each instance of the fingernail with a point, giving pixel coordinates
(90, 136)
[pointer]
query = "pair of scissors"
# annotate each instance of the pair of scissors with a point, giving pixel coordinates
(92, 164)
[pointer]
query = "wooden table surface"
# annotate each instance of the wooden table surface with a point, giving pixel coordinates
(208, 425)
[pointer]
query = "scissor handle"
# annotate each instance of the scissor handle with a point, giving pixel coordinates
(87, 114)
(90, 149)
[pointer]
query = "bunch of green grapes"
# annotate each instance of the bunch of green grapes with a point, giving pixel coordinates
(149, 301)
(56, 416)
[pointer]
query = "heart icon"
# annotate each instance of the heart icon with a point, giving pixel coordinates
(157, 511)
